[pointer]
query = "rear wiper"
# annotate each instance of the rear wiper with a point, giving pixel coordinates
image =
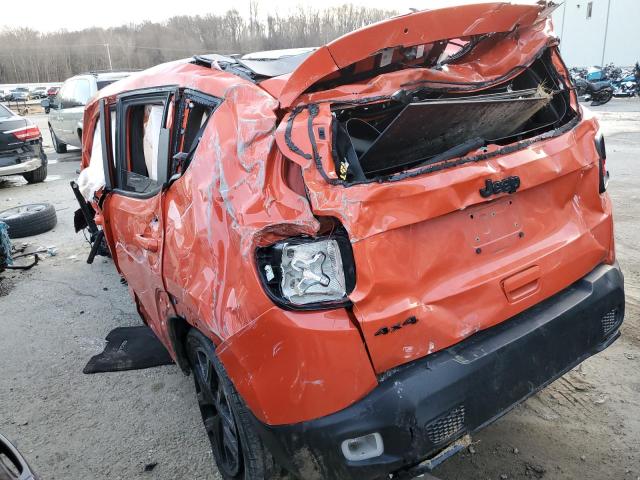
(457, 151)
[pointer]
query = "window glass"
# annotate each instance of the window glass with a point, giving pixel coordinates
(143, 136)
(104, 83)
(82, 92)
(5, 112)
(66, 94)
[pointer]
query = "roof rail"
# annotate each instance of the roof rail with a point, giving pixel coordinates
(97, 72)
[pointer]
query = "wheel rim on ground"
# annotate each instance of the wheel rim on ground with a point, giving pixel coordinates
(216, 413)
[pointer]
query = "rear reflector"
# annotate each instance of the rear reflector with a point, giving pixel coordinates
(363, 448)
(24, 134)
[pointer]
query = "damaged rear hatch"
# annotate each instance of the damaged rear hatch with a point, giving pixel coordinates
(450, 146)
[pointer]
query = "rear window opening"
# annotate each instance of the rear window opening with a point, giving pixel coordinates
(425, 127)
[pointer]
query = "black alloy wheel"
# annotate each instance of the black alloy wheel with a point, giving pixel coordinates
(217, 415)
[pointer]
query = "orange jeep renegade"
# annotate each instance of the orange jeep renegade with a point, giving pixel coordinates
(366, 251)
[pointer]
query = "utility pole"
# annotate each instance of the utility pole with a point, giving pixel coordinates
(106, 45)
(606, 31)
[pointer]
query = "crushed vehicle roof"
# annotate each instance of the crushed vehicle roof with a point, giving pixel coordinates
(287, 74)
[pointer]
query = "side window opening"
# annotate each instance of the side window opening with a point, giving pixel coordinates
(196, 112)
(142, 129)
(198, 117)
(150, 127)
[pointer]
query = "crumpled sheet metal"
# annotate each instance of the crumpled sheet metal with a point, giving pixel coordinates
(232, 198)
(414, 239)
(316, 364)
(411, 238)
(408, 30)
(490, 61)
(372, 208)
(288, 366)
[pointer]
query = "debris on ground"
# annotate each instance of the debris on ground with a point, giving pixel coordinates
(600, 400)
(538, 470)
(5, 247)
(9, 252)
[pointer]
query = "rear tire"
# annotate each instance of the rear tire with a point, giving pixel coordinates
(58, 146)
(239, 452)
(38, 175)
(602, 98)
(28, 220)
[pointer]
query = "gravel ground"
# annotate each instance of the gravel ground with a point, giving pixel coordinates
(54, 317)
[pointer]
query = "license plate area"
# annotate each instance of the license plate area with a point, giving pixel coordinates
(494, 226)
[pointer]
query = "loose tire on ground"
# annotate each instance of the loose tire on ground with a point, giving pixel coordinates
(27, 220)
(216, 391)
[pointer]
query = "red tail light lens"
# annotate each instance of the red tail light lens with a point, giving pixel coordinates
(25, 134)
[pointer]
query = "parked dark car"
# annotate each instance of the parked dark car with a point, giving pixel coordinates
(19, 94)
(39, 92)
(21, 150)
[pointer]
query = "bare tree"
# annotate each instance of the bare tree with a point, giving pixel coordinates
(28, 56)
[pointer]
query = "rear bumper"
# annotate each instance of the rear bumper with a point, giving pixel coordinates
(25, 159)
(421, 407)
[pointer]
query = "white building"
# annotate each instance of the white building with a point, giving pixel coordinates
(597, 32)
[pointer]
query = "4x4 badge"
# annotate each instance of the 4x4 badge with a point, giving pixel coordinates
(506, 185)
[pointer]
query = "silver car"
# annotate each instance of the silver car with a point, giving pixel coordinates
(67, 107)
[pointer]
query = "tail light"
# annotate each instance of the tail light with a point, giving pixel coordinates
(602, 162)
(307, 273)
(24, 134)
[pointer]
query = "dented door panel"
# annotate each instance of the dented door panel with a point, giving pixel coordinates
(136, 227)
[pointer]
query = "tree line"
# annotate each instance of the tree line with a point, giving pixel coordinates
(28, 56)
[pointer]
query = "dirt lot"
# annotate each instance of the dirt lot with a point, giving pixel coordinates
(109, 426)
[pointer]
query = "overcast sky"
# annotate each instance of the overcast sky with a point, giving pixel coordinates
(78, 14)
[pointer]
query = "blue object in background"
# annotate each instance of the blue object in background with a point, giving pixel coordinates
(595, 74)
(5, 244)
